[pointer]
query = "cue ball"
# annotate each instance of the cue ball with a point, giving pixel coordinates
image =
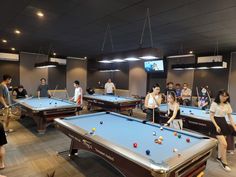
(101, 122)
(175, 150)
(188, 140)
(148, 152)
(135, 145)
(154, 133)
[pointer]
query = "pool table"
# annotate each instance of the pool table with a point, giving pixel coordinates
(114, 136)
(199, 120)
(45, 110)
(112, 102)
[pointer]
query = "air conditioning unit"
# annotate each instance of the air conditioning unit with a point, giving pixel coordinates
(209, 59)
(58, 60)
(9, 57)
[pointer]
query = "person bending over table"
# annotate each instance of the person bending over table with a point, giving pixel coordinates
(110, 88)
(5, 100)
(175, 120)
(186, 95)
(43, 90)
(219, 109)
(20, 92)
(152, 103)
(78, 95)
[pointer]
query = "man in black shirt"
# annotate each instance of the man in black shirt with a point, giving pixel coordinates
(170, 88)
(20, 92)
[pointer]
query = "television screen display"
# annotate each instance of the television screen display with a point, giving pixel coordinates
(154, 66)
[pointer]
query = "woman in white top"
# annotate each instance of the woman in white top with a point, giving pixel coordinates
(152, 103)
(219, 109)
(175, 120)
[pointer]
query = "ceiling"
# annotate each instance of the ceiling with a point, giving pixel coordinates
(77, 27)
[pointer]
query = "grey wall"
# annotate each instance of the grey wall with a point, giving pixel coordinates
(137, 78)
(11, 68)
(120, 78)
(180, 76)
(76, 70)
(232, 81)
(57, 77)
(29, 75)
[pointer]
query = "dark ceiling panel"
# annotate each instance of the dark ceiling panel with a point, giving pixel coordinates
(77, 27)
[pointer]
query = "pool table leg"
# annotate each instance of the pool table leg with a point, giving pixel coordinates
(41, 124)
(74, 146)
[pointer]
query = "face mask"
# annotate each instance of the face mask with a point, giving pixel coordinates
(204, 91)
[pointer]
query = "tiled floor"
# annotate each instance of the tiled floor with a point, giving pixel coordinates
(33, 155)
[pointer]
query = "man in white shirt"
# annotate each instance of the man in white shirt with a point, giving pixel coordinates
(186, 95)
(109, 88)
(78, 95)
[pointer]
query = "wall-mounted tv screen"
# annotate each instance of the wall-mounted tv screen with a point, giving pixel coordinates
(154, 66)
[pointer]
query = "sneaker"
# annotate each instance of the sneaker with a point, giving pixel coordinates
(225, 166)
(230, 152)
(9, 130)
(218, 159)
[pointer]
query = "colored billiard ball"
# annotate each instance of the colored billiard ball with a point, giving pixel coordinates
(148, 152)
(93, 129)
(158, 141)
(135, 145)
(161, 128)
(175, 150)
(161, 138)
(179, 136)
(55, 102)
(154, 133)
(101, 122)
(175, 134)
(50, 103)
(187, 140)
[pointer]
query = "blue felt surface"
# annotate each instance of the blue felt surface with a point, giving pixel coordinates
(194, 112)
(120, 131)
(46, 102)
(111, 98)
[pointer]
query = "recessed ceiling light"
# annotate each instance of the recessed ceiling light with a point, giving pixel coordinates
(4, 41)
(85, 58)
(17, 31)
(131, 59)
(13, 49)
(54, 53)
(190, 51)
(40, 14)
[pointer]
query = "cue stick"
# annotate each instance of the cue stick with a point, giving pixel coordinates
(18, 102)
(197, 95)
(208, 96)
(54, 91)
(153, 115)
(67, 95)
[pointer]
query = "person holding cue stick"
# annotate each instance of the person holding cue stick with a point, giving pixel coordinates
(152, 103)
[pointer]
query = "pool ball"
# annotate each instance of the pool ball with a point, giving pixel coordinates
(154, 133)
(148, 152)
(188, 140)
(158, 141)
(161, 128)
(161, 138)
(101, 122)
(179, 136)
(175, 150)
(55, 102)
(175, 133)
(93, 129)
(50, 103)
(135, 145)
(179, 154)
